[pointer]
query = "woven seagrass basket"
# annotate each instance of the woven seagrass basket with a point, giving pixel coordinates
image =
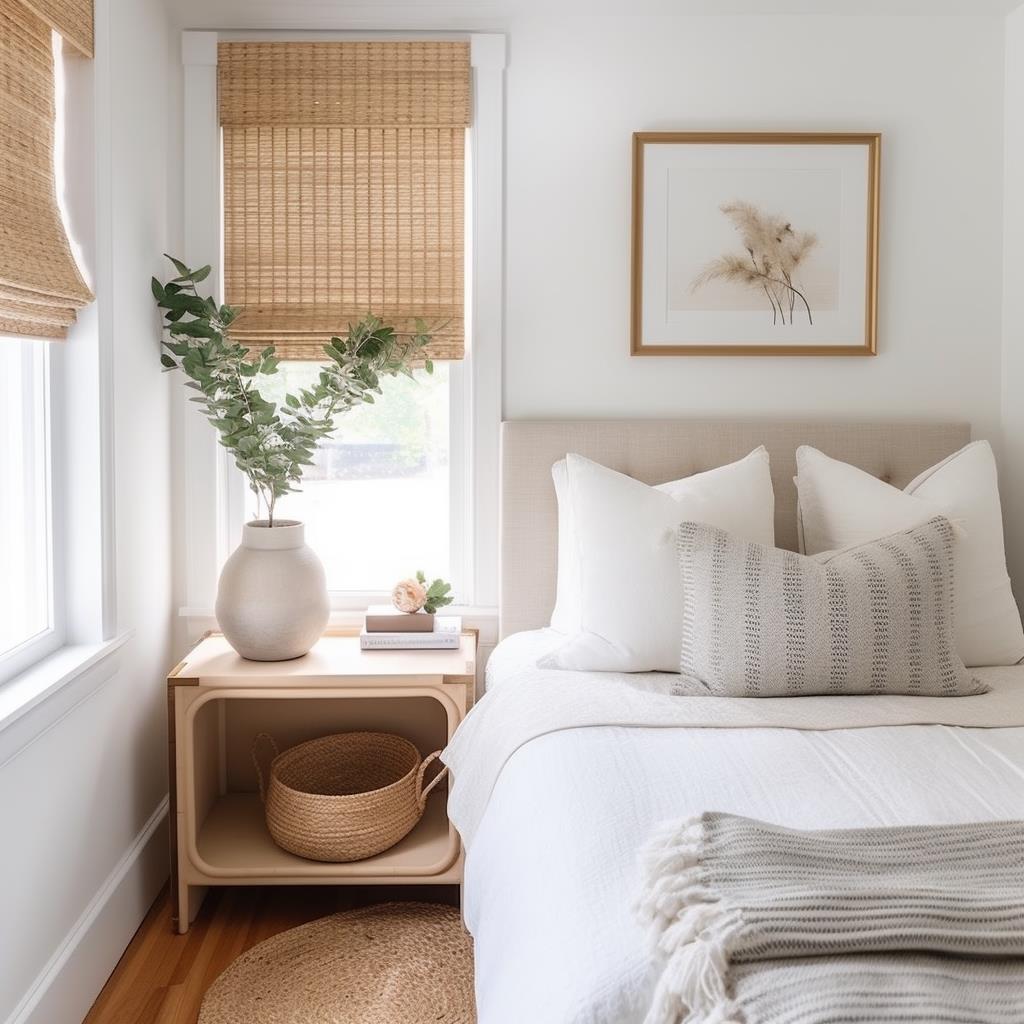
(344, 797)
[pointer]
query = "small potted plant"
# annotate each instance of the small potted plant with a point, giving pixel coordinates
(272, 601)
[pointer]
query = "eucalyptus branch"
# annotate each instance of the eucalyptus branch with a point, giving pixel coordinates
(273, 444)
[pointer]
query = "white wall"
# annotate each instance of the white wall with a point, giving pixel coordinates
(1012, 468)
(82, 849)
(949, 347)
(577, 89)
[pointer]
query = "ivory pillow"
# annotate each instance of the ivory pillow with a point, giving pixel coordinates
(618, 596)
(841, 505)
(874, 618)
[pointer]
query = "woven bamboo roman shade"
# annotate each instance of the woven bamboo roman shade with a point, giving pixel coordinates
(40, 286)
(72, 19)
(344, 170)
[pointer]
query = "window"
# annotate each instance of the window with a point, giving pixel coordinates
(376, 504)
(345, 193)
(32, 453)
(218, 502)
(29, 623)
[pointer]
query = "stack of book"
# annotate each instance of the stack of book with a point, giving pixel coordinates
(388, 629)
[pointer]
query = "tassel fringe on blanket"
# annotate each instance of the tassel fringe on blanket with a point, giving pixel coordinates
(752, 923)
(690, 926)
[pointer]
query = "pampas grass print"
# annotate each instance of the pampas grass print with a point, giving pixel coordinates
(774, 253)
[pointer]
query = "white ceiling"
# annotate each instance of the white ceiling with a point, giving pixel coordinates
(361, 14)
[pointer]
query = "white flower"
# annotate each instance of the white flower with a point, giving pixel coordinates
(409, 596)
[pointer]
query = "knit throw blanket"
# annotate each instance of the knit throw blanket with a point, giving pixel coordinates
(757, 924)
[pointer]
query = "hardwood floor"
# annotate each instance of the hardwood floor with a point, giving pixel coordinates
(162, 976)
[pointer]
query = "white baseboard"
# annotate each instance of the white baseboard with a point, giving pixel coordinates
(68, 985)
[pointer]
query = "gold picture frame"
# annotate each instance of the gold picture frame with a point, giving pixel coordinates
(823, 183)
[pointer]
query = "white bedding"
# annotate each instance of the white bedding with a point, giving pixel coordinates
(551, 865)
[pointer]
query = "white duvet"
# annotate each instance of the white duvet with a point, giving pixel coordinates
(551, 855)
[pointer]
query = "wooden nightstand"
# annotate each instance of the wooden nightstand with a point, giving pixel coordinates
(218, 702)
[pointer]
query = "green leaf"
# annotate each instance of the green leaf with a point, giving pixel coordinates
(200, 275)
(197, 307)
(167, 361)
(178, 265)
(158, 290)
(195, 329)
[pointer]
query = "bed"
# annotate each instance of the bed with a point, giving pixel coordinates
(558, 776)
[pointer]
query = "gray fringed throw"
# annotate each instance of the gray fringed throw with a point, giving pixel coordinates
(758, 924)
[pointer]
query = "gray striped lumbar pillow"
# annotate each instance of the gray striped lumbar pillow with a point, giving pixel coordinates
(875, 618)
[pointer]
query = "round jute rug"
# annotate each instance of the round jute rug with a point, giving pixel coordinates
(399, 963)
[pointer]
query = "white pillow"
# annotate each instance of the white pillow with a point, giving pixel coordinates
(619, 599)
(841, 505)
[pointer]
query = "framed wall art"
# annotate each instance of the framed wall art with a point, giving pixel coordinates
(755, 243)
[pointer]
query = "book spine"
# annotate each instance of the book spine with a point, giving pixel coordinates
(396, 624)
(408, 642)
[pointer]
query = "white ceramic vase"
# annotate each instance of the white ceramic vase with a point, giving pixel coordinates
(272, 602)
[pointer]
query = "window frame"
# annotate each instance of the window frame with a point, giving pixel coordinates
(78, 420)
(213, 498)
(82, 425)
(42, 429)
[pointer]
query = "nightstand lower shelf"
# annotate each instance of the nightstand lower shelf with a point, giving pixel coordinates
(234, 847)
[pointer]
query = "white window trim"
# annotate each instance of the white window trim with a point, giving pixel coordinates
(38, 364)
(213, 495)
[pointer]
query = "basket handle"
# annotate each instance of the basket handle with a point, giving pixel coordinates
(256, 760)
(421, 793)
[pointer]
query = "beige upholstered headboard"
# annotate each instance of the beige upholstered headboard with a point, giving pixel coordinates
(658, 450)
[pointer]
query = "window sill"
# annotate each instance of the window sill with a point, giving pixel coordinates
(50, 683)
